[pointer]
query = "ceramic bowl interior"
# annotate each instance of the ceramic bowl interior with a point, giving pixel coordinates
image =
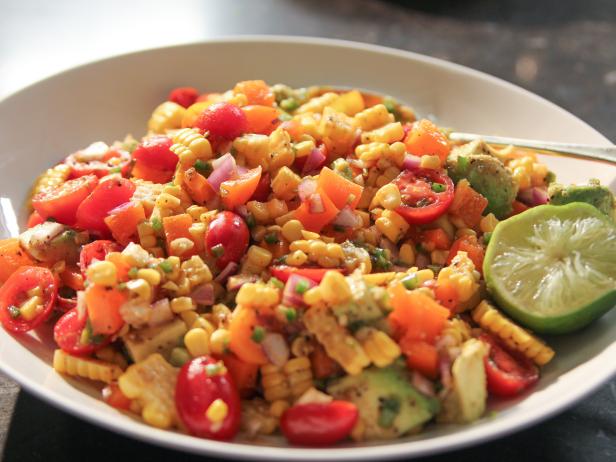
(107, 99)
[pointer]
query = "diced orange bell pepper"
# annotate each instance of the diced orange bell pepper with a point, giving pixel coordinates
(113, 396)
(340, 190)
(436, 239)
(241, 328)
(123, 220)
(239, 191)
(518, 207)
(256, 91)
(420, 356)
(198, 187)
(145, 172)
(103, 305)
(472, 247)
(72, 277)
(12, 256)
(261, 119)
(175, 227)
(244, 374)
(322, 365)
(467, 204)
(315, 221)
(425, 138)
(122, 268)
(446, 294)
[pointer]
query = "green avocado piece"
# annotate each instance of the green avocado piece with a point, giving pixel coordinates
(389, 406)
(593, 193)
(486, 174)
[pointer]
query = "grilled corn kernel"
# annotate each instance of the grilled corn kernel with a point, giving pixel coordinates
(135, 255)
(292, 230)
(407, 254)
(219, 341)
(373, 117)
(313, 296)
(431, 162)
(303, 148)
(217, 411)
(309, 235)
(180, 304)
(334, 288)
(259, 256)
(31, 308)
(388, 196)
(257, 295)
(297, 258)
(285, 183)
(139, 290)
(488, 223)
(150, 275)
(278, 407)
(389, 133)
(379, 346)
(197, 342)
(189, 318)
(392, 225)
(166, 116)
(103, 273)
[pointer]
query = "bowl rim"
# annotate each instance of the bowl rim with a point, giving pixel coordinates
(394, 449)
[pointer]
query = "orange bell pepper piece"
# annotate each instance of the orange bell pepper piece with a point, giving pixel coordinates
(256, 91)
(436, 239)
(467, 204)
(472, 247)
(123, 220)
(175, 227)
(103, 305)
(12, 256)
(244, 374)
(198, 187)
(315, 221)
(261, 119)
(239, 191)
(420, 356)
(122, 268)
(340, 190)
(145, 172)
(72, 277)
(241, 328)
(424, 138)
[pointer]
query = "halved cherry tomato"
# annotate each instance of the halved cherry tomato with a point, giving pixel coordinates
(14, 292)
(319, 424)
(507, 374)
(34, 219)
(224, 121)
(98, 159)
(113, 396)
(263, 188)
(426, 195)
(184, 96)
(105, 197)
(154, 152)
(62, 203)
(67, 334)
(283, 272)
(96, 250)
(227, 238)
(201, 382)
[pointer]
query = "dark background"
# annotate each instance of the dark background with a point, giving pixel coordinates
(563, 50)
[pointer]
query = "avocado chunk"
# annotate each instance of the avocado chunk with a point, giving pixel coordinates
(389, 406)
(593, 193)
(362, 309)
(486, 174)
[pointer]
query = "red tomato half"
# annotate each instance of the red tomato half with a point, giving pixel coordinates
(67, 334)
(422, 200)
(96, 250)
(97, 159)
(227, 238)
(62, 202)
(155, 153)
(224, 121)
(14, 292)
(107, 196)
(318, 424)
(284, 272)
(184, 96)
(34, 219)
(507, 375)
(201, 382)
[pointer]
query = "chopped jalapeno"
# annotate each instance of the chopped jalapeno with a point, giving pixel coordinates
(438, 188)
(271, 238)
(301, 286)
(218, 250)
(203, 167)
(258, 334)
(165, 266)
(14, 311)
(410, 282)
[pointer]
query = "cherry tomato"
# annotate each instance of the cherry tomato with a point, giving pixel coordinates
(14, 292)
(227, 238)
(67, 334)
(283, 272)
(34, 219)
(224, 121)
(154, 152)
(507, 375)
(263, 188)
(319, 424)
(105, 197)
(202, 381)
(184, 96)
(426, 195)
(113, 396)
(98, 159)
(62, 202)
(96, 250)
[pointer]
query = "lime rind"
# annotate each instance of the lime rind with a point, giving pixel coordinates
(553, 268)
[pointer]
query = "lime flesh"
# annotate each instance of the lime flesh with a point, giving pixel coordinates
(553, 268)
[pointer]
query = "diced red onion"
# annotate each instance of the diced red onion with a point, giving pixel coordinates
(422, 384)
(161, 312)
(534, 196)
(411, 162)
(230, 269)
(290, 296)
(241, 170)
(347, 218)
(275, 348)
(315, 160)
(236, 281)
(316, 203)
(224, 169)
(422, 261)
(203, 294)
(307, 187)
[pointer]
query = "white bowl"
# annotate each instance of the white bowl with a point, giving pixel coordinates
(107, 99)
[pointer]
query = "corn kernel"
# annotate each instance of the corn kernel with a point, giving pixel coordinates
(318, 248)
(309, 235)
(292, 230)
(407, 254)
(297, 258)
(278, 407)
(259, 256)
(389, 133)
(180, 304)
(135, 255)
(392, 225)
(488, 223)
(285, 183)
(197, 342)
(313, 296)
(303, 148)
(388, 196)
(181, 245)
(139, 290)
(219, 341)
(103, 273)
(335, 288)
(217, 411)
(150, 275)
(189, 317)
(431, 162)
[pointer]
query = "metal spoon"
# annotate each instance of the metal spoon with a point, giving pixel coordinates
(605, 153)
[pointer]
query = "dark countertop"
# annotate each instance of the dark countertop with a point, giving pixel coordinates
(563, 50)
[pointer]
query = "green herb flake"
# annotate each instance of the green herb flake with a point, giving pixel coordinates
(438, 187)
(390, 104)
(132, 273)
(271, 238)
(302, 286)
(213, 369)
(291, 314)
(250, 221)
(218, 250)
(179, 356)
(289, 104)
(156, 224)
(165, 266)
(258, 334)
(276, 283)
(115, 170)
(14, 311)
(203, 167)
(410, 282)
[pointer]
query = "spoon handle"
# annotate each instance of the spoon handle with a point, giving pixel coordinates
(606, 153)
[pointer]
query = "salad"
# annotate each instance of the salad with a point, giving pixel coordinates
(313, 262)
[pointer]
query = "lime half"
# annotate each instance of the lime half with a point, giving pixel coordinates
(553, 268)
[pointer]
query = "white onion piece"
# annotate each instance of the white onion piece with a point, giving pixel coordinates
(275, 348)
(307, 187)
(347, 218)
(161, 312)
(203, 294)
(230, 269)
(312, 395)
(411, 162)
(224, 170)
(316, 203)
(422, 384)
